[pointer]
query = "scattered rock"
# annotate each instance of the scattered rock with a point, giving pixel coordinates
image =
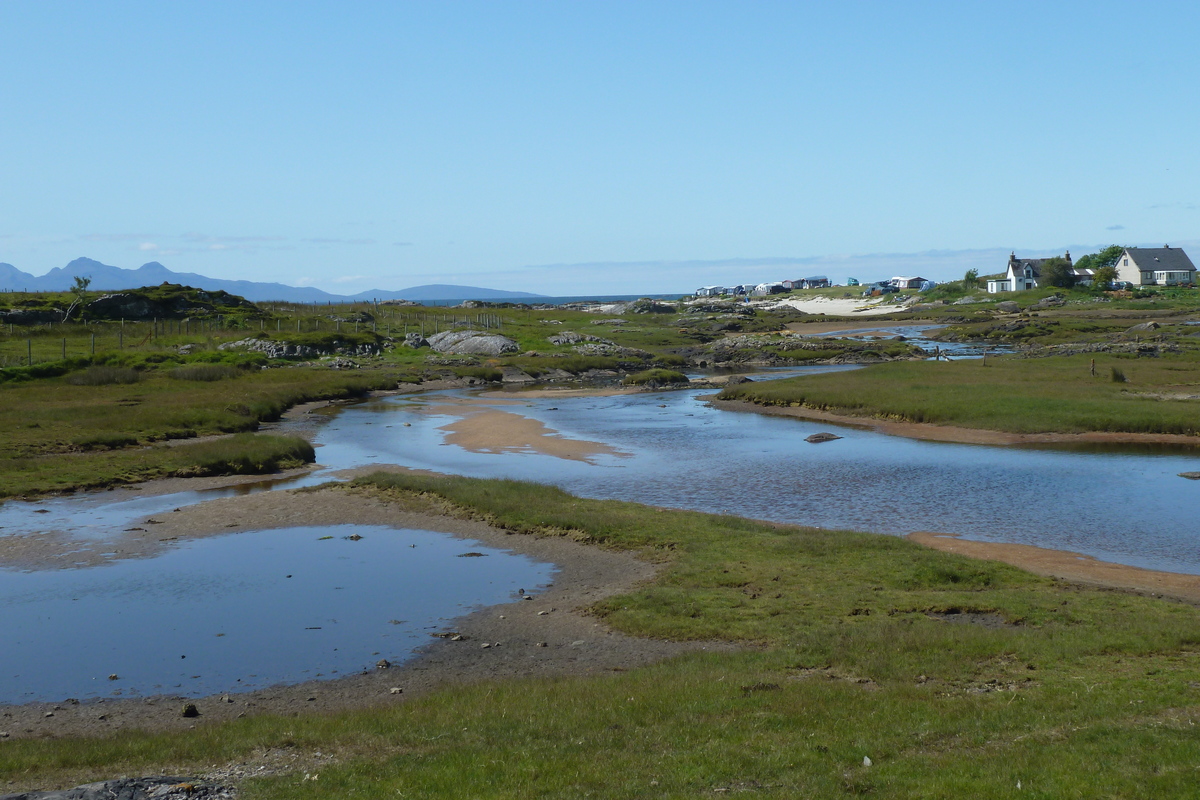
(189, 710)
(114, 677)
(817, 438)
(1144, 326)
(1007, 307)
(382, 663)
(472, 555)
(158, 787)
(395, 690)
(415, 341)
(1191, 476)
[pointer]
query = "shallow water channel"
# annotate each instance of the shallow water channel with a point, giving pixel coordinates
(1120, 504)
(222, 614)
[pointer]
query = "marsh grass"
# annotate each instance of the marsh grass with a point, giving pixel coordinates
(1079, 692)
(103, 375)
(43, 426)
(1008, 394)
(204, 372)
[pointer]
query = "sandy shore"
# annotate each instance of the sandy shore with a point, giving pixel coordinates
(950, 433)
(842, 306)
(575, 643)
(1070, 566)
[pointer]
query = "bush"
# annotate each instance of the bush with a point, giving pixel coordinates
(1118, 375)
(104, 376)
(490, 374)
(655, 377)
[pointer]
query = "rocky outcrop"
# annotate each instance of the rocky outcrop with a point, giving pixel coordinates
(31, 316)
(476, 343)
(1007, 307)
(159, 787)
(415, 341)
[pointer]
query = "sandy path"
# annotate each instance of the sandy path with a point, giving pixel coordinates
(950, 433)
(1069, 566)
(574, 643)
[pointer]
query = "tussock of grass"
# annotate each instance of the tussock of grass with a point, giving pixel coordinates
(204, 372)
(104, 376)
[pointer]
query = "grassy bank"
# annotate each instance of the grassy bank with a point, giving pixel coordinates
(956, 678)
(91, 427)
(1016, 395)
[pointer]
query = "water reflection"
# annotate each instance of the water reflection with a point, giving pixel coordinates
(244, 611)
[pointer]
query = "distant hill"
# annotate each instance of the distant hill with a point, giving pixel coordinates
(106, 278)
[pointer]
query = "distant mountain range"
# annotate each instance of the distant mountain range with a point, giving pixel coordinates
(108, 279)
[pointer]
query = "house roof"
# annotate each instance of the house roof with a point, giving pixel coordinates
(1169, 259)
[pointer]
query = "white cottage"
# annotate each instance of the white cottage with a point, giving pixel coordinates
(1155, 266)
(1022, 274)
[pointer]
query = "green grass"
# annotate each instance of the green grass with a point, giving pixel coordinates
(46, 423)
(111, 459)
(1079, 693)
(1007, 394)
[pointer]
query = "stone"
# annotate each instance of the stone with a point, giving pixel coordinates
(471, 342)
(817, 438)
(1191, 476)
(415, 341)
(189, 710)
(1008, 307)
(1144, 326)
(395, 690)
(382, 663)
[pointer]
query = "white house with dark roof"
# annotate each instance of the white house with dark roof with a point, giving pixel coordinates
(1022, 274)
(1155, 266)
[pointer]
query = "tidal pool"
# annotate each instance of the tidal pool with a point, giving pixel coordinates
(244, 611)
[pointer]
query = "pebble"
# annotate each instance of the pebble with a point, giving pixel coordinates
(382, 663)
(189, 710)
(396, 690)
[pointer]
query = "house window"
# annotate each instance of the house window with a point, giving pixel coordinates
(1125, 262)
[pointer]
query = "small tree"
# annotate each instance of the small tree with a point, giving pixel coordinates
(79, 289)
(971, 279)
(1057, 271)
(1104, 277)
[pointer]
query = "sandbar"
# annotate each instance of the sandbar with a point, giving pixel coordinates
(1073, 567)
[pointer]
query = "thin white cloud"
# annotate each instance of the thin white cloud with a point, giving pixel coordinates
(338, 241)
(147, 246)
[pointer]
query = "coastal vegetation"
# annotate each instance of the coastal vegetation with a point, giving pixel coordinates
(54, 437)
(1067, 394)
(866, 665)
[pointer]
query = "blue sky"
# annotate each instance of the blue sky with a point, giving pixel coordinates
(603, 147)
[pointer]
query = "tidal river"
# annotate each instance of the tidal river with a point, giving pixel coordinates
(1120, 504)
(177, 622)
